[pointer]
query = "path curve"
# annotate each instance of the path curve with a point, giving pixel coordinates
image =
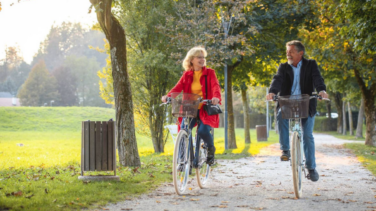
(263, 182)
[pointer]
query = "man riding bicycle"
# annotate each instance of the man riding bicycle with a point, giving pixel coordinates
(295, 77)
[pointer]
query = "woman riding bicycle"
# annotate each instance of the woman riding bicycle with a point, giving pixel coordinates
(193, 81)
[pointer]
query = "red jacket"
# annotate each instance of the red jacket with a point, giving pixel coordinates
(184, 84)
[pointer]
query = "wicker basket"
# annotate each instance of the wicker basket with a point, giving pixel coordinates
(294, 106)
(184, 104)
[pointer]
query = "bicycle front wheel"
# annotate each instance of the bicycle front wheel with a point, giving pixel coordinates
(296, 160)
(181, 162)
(203, 169)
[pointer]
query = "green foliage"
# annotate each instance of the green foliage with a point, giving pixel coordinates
(362, 24)
(13, 72)
(325, 124)
(39, 87)
(85, 69)
(66, 84)
(365, 154)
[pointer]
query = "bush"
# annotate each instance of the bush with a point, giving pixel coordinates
(325, 124)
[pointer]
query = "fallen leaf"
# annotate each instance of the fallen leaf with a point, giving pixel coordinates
(29, 196)
(126, 208)
(46, 190)
(352, 200)
(52, 178)
(242, 206)
(192, 199)
(57, 172)
(256, 208)
(54, 200)
(19, 193)
(158, 201)
(316, 194)
(224, 202)
(189, 188)
(222, 206)
(214, 194)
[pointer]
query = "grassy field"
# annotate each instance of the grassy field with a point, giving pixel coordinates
(42, 173)
(365, 154)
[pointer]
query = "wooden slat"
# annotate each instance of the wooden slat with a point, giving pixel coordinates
(86, 145)
(114, 147)
(98, 146)
(92, 146)
(110, 145)
(104, 147)
(82, 148)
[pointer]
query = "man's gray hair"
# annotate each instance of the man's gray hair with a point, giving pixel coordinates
(298, 45)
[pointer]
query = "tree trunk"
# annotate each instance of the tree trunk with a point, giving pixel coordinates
(156, 127)
(359, 127)
(351, 126)
(368, 94)
(231, 125)
(329, 109)
(247, 135)
(338, 103)
(344, 118)
(126, 136)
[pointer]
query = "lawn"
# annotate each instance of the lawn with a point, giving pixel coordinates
(40, 160)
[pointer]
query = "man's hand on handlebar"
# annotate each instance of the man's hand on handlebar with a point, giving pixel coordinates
(270, 96)
(164, 98)
(214, 101)
(323, 94)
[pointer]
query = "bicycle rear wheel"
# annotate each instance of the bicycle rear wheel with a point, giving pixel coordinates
(181, 162)
(296, 160)
(203, 169)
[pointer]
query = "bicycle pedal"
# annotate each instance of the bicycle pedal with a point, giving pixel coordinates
(285, 159)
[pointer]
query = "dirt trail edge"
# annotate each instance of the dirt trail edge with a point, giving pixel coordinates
(263, 182)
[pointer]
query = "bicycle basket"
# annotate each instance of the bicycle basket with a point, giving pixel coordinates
(184, 104)
(294, 106)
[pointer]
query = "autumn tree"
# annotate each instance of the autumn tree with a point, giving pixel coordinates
(39, 88)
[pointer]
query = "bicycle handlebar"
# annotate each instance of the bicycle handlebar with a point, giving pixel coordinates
(168, 101)
(314, 95)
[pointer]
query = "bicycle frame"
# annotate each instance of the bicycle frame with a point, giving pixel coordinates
(295, 125)
(194, 158)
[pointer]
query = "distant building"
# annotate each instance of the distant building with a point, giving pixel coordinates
(7, 99)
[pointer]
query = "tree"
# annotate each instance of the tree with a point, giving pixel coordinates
(66, 84)
(39, 88)
(84, 70)
(353, 56)
(126, 137)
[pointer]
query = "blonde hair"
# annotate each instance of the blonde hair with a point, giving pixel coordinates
(195, 51)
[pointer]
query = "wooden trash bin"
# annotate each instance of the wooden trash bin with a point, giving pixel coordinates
(98, 146)
(261, 133)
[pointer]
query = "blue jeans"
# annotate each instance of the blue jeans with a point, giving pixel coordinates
(308, 140)
(203, 131)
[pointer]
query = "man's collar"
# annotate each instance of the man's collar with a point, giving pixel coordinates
(299, 64)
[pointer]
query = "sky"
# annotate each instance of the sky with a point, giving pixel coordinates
(26, 24)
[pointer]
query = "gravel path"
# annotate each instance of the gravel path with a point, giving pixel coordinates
(263, 182)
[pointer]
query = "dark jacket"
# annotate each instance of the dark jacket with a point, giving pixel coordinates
(310, 79)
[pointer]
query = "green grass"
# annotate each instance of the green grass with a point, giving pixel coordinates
(42, 174)
(366, 155)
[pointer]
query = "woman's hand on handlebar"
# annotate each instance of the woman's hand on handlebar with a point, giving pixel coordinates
(164, 98)
(270, 96)
(214, 101)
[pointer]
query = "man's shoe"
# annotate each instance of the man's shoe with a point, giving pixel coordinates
(285, 155)
(210, 158)
(313, 175)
